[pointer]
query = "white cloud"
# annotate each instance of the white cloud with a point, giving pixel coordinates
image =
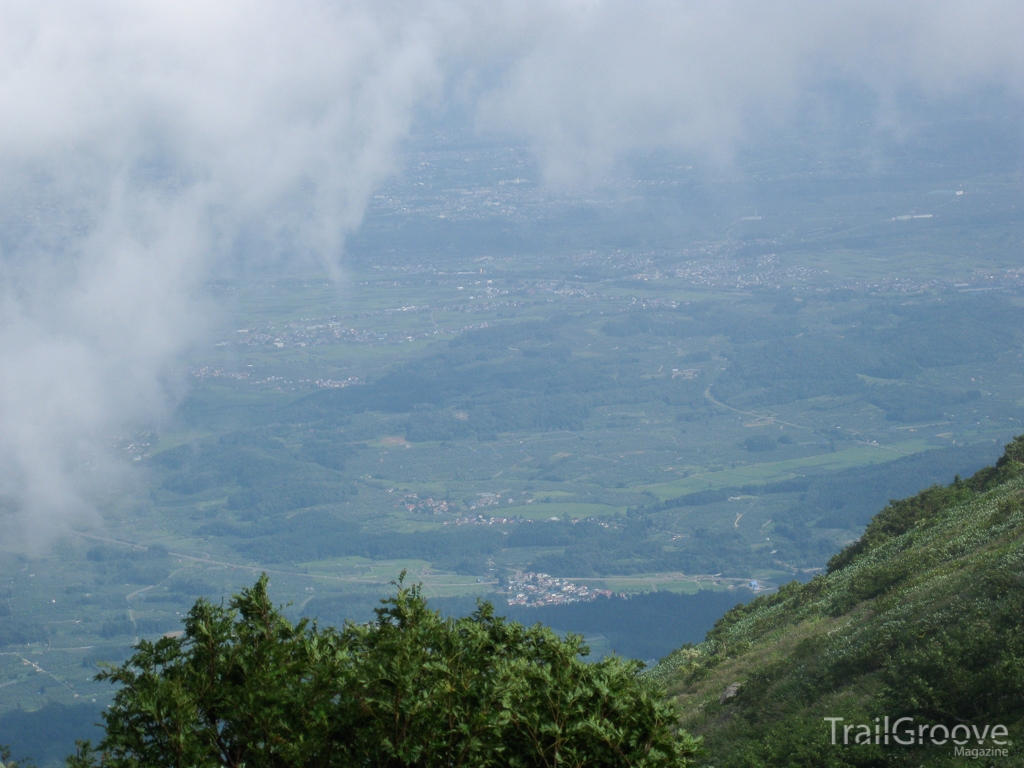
(600, 79)
(139, 142)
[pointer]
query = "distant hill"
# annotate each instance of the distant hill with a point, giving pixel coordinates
(921, 618)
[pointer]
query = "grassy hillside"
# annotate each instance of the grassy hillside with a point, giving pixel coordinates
(922, 618)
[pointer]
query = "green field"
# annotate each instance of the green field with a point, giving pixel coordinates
(773, 471)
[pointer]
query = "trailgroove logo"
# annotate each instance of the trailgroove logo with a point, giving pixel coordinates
(989, 740)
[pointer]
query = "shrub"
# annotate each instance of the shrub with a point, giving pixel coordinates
(246, 686)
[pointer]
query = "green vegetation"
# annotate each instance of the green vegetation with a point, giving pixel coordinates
(245, 686)
(916, 622)
(9, 762)
(919, 618)
(549, 416)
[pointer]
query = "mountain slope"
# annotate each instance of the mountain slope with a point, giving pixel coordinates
(921, 618)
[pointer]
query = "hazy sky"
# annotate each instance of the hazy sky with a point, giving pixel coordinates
(139, 140)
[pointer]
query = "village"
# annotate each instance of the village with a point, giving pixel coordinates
(537, 589)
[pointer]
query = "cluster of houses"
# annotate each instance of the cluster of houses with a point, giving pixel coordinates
(312, 332)
(481, 520)
(337, 384)
(537, 589)
(413, 503)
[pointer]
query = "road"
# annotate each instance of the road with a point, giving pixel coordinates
(711, 398)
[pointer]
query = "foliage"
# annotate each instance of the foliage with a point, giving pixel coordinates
(919, 618)
(5, 759)
(889, 341)
(480, 387)
(244, 686)
(305, 462)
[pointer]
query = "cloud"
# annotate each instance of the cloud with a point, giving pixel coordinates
(144, 144)
(599, 80)
(141, 144)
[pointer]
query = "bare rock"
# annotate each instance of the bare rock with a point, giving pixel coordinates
(730, 692)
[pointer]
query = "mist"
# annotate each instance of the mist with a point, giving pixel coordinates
(146, 146)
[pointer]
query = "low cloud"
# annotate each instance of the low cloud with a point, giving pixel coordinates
(599, 80)
(144, 145)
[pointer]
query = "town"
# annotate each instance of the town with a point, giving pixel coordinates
(537, 589)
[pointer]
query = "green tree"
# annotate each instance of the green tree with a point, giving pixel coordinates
(5, 759)
(245, 686)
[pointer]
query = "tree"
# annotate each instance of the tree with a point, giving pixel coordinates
(245, 686)
(5, 759)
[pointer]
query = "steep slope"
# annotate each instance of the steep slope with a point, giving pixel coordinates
(921, 618)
